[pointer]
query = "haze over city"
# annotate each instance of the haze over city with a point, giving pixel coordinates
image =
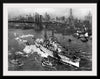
(77, 12)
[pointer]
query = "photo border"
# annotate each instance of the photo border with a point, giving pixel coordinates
(2, 42)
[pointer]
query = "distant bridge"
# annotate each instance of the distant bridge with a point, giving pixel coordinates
(49, 22)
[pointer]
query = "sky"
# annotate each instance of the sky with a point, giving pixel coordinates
(58, 11)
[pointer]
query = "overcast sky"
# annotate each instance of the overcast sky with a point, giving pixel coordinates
(59, 11)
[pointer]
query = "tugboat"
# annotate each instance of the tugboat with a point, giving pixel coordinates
(82, 35)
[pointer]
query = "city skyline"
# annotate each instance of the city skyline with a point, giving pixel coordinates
(53, 12)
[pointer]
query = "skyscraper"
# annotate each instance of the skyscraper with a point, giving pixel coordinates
(71, 14)
(71, 19)
(89, 17)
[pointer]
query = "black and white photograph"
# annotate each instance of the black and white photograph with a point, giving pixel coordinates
(50, 39)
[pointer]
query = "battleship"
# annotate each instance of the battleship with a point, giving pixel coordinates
(47, 48)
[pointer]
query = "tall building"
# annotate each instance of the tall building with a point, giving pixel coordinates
(71, 19)
(88, 23)
(47, 17)
(89, 17)
(71, 14)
